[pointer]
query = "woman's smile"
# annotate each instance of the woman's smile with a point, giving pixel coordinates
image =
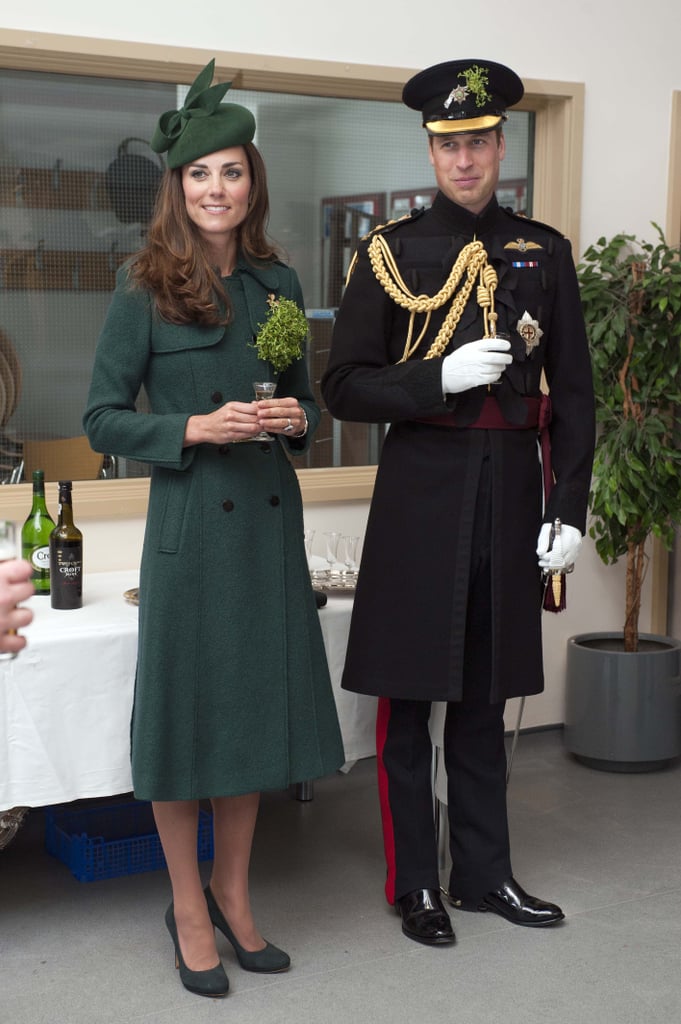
(216, 192)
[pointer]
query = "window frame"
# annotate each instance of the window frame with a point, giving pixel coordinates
(559, 122)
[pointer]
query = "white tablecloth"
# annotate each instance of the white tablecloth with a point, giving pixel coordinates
(65, 701)
(356, 713)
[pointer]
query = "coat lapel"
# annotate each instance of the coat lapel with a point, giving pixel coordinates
(259, 281)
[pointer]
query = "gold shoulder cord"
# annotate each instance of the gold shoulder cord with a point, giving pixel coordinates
(472, 260)
(377, 227)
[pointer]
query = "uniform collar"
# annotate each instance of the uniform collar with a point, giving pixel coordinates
(459, 220)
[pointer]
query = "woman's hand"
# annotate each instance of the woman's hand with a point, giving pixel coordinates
(234, 421)
(281, 416)
(237, 421)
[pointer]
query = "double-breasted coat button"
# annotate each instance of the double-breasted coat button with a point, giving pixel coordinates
(274, 500)
(228, 505)
(266, 447)
(216, 397)
(224, 449)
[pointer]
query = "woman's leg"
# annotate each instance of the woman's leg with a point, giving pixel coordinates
(234, 820)
(177, 823)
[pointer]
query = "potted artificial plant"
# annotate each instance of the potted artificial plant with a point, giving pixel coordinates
(623, 707)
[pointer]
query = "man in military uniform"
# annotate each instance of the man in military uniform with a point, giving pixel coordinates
(448, 320)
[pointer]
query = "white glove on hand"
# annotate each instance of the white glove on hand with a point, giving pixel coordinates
(566, 546)
(475, 363)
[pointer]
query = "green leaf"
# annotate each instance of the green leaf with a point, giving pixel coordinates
(280, 339)
(634, 332)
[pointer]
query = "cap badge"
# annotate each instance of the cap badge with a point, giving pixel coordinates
(459, 94)
(530, 331)
(522, 246)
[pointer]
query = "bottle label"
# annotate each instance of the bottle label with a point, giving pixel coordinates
(40, 559)
(69, 566)
(66, 574)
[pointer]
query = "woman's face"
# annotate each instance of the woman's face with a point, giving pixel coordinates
(216, 190)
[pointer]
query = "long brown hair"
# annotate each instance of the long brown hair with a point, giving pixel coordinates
(175, 265)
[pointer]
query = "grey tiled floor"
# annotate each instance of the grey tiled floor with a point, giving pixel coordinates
(606, 846)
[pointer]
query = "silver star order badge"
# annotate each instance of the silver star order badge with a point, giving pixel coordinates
(530, 331)
(458, 93)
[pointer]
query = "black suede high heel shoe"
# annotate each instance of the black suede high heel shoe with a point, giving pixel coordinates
(269, 960)
(213, 982)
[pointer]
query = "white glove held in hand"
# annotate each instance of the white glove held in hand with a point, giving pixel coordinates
(563, 554)
(475, 363)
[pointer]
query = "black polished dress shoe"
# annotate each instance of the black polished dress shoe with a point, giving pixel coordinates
(424, 918)
(512, 902)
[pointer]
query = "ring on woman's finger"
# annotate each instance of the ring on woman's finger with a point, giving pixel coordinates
(288, 428)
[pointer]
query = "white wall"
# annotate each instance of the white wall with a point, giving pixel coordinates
(627, 56)
(628, 59)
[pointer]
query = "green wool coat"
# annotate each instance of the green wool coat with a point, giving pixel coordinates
(232, 692)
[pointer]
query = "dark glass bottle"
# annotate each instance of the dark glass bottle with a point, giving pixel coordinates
(66, 555)
(35, 536)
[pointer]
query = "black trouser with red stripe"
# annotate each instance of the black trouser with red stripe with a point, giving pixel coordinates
(476, 795)
(475, 759)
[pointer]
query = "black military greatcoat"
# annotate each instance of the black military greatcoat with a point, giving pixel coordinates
(406, 638)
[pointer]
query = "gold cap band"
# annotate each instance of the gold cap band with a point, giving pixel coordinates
(471, 124)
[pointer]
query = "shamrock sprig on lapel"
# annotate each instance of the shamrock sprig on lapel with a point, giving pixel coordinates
(280, 339)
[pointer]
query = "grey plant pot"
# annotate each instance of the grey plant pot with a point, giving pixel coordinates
(623, 710)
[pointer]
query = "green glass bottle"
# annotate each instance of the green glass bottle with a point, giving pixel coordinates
(35, 536)
(66, 555)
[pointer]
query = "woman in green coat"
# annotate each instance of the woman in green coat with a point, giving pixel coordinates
(232, 692)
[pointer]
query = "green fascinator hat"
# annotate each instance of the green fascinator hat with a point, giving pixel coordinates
(203, 124)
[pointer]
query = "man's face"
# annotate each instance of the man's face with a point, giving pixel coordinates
(467, 166)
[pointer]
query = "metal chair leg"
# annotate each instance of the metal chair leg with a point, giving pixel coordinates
(442, 834)
(516, 733)
(440, 815)
(10, 823)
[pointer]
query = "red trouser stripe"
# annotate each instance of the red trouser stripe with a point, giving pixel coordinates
(382, 720)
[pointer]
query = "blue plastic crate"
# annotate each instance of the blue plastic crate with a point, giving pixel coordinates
(113, 839)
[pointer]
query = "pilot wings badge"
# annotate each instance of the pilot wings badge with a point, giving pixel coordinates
(530, 331)
(520, 245)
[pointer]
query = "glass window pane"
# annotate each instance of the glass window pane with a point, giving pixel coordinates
(77, 180)
(69, 217)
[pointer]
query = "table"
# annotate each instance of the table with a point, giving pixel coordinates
(356, 712)
(65, 701)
